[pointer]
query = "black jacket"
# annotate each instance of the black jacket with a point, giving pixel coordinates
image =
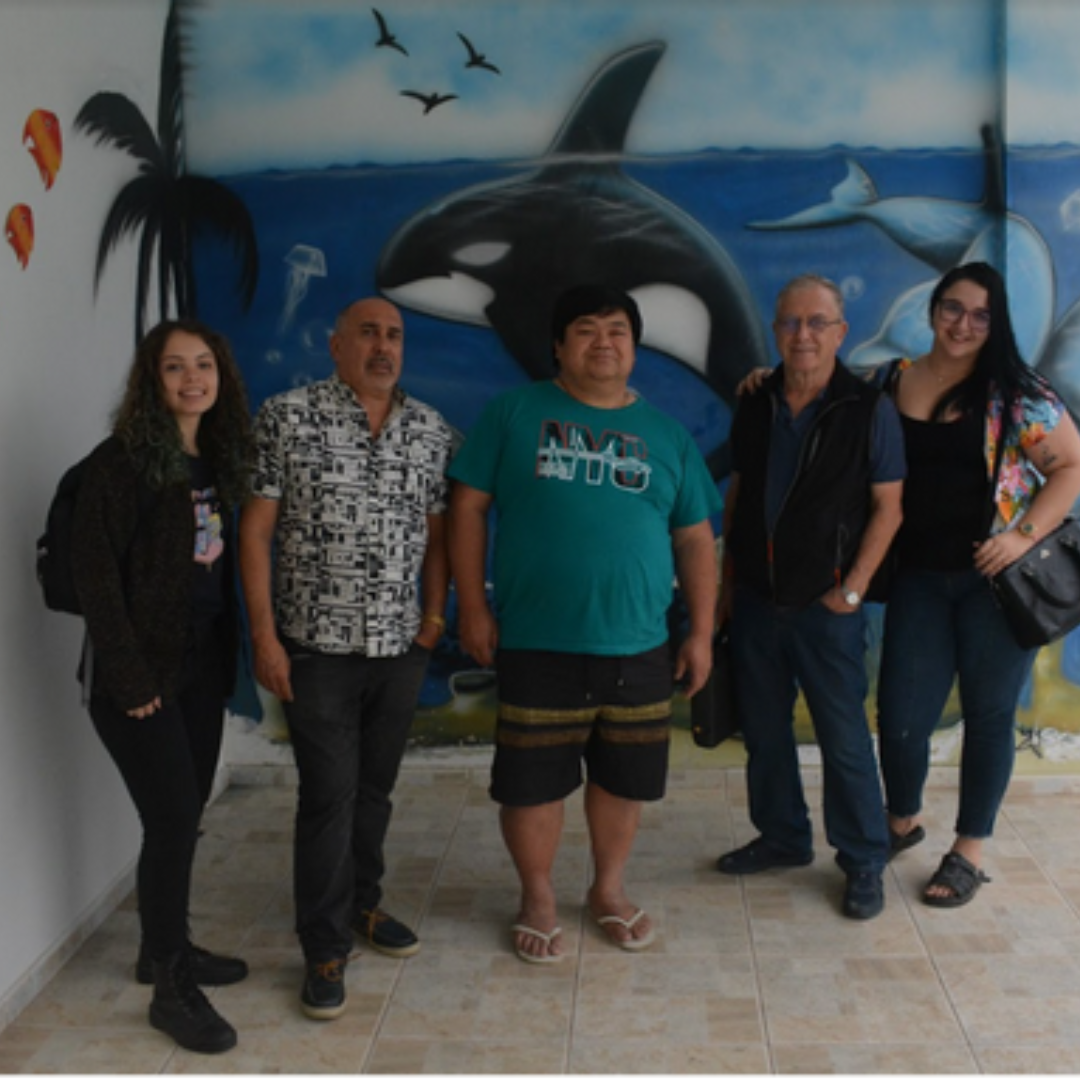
(132, 562)
(821, 522)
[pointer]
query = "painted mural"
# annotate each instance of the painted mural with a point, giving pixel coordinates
(165, 203)
(470, 159)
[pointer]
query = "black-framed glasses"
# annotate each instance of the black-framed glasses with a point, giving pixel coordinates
(952, 311)
(816, 324)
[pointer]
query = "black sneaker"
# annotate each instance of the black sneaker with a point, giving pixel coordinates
(864, 897)
(323, 995)
(757, 856)
(207, 968)
(385, 933)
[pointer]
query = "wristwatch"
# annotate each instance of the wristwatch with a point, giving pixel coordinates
(852, 598)
(1028, 529)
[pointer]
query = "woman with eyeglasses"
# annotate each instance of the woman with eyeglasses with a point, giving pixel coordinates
(966, 405)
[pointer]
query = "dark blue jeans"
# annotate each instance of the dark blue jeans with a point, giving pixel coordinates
(349, 722)
(941, 626)
(168, 761)
(776, 651)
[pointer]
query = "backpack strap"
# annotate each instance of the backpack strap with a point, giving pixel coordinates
(887, 375)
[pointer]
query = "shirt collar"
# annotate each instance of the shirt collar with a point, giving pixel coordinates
(345, 393)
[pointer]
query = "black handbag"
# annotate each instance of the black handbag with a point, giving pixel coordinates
(1040, 591)
(713, 714)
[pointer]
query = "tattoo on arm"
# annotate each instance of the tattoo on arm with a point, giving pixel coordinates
(1048, 459)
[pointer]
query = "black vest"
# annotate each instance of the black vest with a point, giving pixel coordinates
(826, 508)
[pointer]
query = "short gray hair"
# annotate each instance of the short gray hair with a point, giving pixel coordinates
(811, 280)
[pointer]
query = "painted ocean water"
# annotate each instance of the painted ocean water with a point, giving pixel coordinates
(349, 214)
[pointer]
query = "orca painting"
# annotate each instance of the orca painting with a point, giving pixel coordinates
(498, 254)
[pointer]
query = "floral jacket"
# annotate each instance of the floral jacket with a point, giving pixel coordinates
(1032, 419)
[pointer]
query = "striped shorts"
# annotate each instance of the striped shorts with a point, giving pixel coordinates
(558, 710)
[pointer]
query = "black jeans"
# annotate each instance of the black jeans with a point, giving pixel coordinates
(168, 762)
(349, 722)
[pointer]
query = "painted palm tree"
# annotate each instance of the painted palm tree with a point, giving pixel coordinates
(165, 203)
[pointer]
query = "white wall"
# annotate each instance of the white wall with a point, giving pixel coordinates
(68, 834)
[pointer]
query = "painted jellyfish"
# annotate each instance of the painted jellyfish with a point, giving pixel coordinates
(1070, 213)
(304, 262)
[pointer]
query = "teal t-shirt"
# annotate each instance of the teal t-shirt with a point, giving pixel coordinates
(586, 500)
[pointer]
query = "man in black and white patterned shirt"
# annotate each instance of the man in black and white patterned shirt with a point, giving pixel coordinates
(350, 494)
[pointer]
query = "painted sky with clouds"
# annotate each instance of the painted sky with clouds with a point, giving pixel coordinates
(279, 84)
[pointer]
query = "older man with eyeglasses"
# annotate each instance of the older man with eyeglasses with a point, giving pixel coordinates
(813, 505)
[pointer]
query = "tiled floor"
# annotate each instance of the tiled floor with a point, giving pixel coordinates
(761, 975)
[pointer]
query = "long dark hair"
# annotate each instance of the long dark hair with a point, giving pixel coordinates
(999, 361)
(151, 435)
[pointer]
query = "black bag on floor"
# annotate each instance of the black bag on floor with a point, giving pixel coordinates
(1040, 592)
(713, 715)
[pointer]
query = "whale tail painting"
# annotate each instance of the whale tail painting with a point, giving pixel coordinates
(936, 231)
(498, 254)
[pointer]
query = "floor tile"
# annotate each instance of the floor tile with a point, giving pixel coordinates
(468, 1057)
(1015, 1000)
(910, 1059)
(845, 999)
(747, 976)
(1034, 1060)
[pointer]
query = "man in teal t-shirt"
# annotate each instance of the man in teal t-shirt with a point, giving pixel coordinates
(601, 501)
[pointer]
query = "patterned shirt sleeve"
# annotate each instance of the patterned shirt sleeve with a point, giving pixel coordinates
(268, 481)
(1033, 418)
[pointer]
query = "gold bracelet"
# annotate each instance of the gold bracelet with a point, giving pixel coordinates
(431, 617)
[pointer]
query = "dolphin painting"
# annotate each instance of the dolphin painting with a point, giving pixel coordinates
(499, 253)
(944, 233)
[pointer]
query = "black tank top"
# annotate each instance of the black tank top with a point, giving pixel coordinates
(945, 493)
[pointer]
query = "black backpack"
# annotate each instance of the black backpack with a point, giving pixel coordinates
(54, 544)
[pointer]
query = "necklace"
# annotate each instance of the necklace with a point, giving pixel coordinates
(946, 378)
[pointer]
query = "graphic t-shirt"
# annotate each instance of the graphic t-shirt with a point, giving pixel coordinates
(207, 595)
(586, 500)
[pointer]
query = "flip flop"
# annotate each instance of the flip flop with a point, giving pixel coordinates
(960, 876)
(547, 939)
(630, 944)
(902, 841)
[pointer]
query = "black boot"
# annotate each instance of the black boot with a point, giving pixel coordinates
(180, 1009)
(207, 968)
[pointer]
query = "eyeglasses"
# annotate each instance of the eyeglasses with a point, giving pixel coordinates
(952, 311)
(816, 324)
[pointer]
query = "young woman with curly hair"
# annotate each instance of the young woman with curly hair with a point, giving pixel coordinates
(152, 562)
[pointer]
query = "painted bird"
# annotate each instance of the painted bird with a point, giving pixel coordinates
(477, 60)
(431, 101)
(386, 39)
